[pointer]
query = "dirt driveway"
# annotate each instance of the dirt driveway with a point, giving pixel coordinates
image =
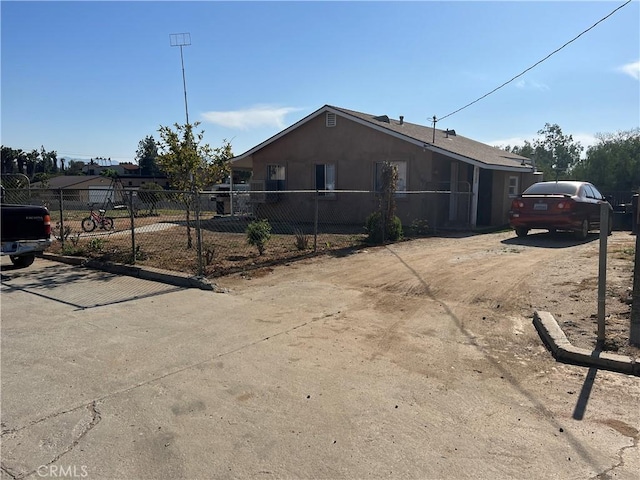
(489, 285)
(416, 360)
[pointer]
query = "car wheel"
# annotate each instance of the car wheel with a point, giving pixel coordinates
(522, 232)
(552, 231)
(584, 230)
(22, 261)
(610, 227)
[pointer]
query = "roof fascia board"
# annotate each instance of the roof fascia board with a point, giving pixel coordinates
(473, 162)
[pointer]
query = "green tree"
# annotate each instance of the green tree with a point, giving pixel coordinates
(21, 159)
(613, 164)
(526, 150)
(556, 153)
(147, 156)
(48, 161)
(9, 160)
(109, 173)
(31, 160)
(383, 224)
(74, 168)
(190, 164)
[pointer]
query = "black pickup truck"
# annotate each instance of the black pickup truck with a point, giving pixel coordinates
(25, 231)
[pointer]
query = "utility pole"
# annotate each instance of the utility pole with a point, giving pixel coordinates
(182, 40)
(434, 129)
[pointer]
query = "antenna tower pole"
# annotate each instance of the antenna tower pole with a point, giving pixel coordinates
(182, 40)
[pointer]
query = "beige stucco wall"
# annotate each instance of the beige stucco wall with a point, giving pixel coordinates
(355, 149)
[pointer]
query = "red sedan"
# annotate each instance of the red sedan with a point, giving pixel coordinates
(573, 206)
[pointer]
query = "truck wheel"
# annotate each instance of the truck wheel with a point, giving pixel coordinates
(88, 225)
(22, 261)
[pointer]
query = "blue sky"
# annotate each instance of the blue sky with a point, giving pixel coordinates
(91, 79)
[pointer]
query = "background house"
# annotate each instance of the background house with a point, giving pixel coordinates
(81, 190)
(338, 149)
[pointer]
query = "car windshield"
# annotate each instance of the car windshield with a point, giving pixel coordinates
(552, 188)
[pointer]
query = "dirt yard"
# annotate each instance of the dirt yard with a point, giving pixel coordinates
(491, 283)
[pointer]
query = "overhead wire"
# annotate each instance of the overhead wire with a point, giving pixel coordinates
(535, 64)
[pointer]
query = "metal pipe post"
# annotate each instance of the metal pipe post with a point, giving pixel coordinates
(602, 271)
(133, 229)
(61, 218)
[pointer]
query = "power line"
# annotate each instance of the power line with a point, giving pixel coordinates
(535, 64)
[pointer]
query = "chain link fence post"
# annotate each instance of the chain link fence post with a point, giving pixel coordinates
(315, 223)
(133, 229)
(61, 233)
(196, 199)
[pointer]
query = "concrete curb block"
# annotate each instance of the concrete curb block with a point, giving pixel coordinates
(562, 350)
(146, 273)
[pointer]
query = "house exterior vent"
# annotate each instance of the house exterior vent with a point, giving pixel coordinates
(331, 119)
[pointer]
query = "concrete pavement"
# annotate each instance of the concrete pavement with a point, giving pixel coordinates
(545, 323)
(114, 377)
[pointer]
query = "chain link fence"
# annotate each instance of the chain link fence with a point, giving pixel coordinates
(215, 233)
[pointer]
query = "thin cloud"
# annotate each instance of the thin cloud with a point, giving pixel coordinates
(253, 117)
(631, 69)
(532, 85)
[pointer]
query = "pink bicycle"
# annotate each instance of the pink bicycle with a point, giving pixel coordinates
(97, 219)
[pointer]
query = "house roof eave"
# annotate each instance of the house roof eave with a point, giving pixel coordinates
(245, 160)
(477, 163)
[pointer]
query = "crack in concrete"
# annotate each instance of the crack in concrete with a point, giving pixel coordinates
(95, 419)
(6, 470)
(9, 431)
(605, 475)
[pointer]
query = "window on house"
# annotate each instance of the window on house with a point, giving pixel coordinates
(513, 186)
(326, 178)
(276, 176)
(402, 177)
(331, 119)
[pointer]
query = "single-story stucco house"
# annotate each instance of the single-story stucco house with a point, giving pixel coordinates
(335, 149)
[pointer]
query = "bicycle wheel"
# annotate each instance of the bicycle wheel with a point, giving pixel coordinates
(88, 225)
(107, 223)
